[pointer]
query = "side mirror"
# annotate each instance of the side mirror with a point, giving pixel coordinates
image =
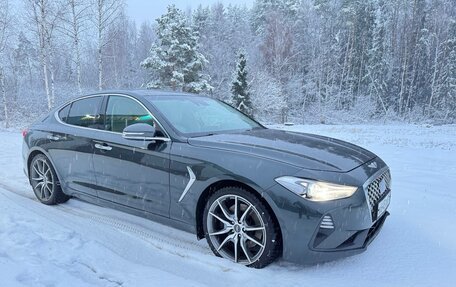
(141, 132)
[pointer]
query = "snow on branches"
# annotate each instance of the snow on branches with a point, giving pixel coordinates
(240, 88)
(174, 59)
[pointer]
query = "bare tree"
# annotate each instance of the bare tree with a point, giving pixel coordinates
(5, 20)
(376, 58)
(278, 46)
(106, 13)
(74, 24)
(45, 14)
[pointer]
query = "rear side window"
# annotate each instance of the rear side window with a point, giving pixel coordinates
(84, 113)
(122, 112)
(63, 113)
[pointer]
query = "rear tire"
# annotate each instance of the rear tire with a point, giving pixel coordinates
(239, 227)
(45, 182)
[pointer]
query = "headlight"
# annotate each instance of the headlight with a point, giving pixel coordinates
(315, 190)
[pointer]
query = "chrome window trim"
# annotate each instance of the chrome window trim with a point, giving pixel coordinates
(147, 138)
(371, 179)
(56, 114)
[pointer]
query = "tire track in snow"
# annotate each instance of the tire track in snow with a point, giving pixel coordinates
(177, 246)
(154, 237)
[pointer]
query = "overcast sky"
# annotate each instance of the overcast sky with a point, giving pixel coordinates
(149, 10)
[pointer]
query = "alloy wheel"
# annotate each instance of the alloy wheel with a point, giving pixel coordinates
(236, 229)
(42, 179)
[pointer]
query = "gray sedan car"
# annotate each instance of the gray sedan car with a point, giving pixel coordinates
(197, 164)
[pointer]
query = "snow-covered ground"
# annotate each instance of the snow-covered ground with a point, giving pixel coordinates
(78, 244)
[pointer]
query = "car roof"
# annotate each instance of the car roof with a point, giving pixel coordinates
(135, 93)
(145, 93)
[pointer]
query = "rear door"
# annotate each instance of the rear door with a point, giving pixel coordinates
(71, 147)
(128, 172)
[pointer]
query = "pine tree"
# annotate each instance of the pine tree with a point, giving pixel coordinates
(200, 19)
(240, 88)
(175, 58)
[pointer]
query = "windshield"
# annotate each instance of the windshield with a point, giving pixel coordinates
(201, 115)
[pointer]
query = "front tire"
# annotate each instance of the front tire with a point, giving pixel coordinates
(239, 227)
(44, 181)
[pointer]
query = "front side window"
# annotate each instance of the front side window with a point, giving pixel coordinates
(122, 112)
(84, 113)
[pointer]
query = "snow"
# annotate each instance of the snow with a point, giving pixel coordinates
(176, 50)
(78, 244)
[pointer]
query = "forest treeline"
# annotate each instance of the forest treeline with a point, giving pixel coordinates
(306, 61)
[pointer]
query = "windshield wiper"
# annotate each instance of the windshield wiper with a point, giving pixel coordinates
(202, 135)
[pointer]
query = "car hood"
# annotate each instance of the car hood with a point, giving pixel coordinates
(302, 150)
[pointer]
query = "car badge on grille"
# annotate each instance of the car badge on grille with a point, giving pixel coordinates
(382, 186)
(373, 165)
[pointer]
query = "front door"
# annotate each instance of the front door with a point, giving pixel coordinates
(128, 172)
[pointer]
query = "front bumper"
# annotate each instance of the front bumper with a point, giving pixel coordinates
(315, 232)
(321, 242)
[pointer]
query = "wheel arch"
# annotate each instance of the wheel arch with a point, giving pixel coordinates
(208, 191)
(34, 152)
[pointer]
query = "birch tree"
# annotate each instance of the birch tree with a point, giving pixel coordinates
(44, 16)
(309, 60)
(74, 24)
(5, 20)
(105, 15)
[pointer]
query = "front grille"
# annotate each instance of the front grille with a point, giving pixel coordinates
(374, 191)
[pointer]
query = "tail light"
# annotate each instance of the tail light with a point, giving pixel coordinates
(24, 132)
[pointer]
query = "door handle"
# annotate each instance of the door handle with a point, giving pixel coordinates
(53, 138)
(103, 146)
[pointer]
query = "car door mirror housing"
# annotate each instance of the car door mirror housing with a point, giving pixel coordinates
(142, 132)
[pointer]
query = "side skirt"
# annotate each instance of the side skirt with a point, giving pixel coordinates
(140, 213)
